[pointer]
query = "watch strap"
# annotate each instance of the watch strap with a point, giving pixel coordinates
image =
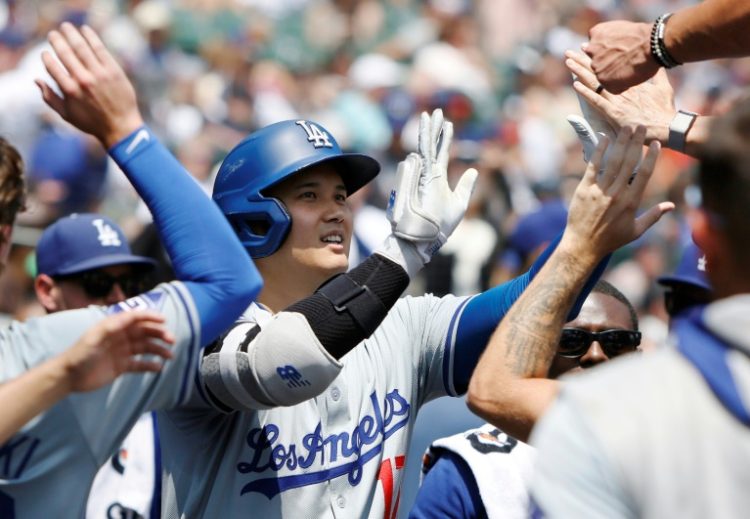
(679, 128)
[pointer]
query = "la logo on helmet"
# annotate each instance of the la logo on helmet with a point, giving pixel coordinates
(318, 137)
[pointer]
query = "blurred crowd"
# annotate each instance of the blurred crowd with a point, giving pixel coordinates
(208, 72)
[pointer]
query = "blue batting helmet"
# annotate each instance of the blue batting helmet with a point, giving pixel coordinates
(265, 158)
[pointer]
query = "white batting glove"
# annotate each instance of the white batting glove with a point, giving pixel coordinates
(422, 209)
(589, 139)
(590, 128)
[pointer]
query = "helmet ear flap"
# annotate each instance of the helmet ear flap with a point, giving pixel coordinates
(262, 229)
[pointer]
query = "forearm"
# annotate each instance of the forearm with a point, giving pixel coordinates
(193, 231)
(485, 311)
(708, 30)
(524, 344)
(31, 393)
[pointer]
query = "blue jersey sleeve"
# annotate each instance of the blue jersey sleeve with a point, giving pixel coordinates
(449, 490)
(484, 311)
(205, 253)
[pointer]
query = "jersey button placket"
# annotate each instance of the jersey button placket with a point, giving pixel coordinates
(341, 501)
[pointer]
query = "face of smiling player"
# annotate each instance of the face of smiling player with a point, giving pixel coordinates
(317, 246)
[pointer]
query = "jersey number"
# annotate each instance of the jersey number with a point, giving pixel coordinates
(386, 477)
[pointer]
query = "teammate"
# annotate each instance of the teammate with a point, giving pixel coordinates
(339, 454)
(85, 259)
(82, 260)
(103, 353)
(484, 472)
(47, 467)
(107, 350)
(509, 387)
(665, 435)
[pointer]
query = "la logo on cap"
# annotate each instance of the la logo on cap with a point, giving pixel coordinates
(108, 237)
(702, 263)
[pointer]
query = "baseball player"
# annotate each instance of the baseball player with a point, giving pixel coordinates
(509, 388)
(484, 472)
(82, 260)
(48, 466)
(335, 445)
(108, 349)
(666, 434)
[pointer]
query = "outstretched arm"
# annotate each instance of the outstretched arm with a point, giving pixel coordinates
(508, 387)
(110, 348)
(621, 50)
(98, 98)
(650, 103)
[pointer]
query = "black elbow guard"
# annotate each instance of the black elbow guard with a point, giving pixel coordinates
(349, 307)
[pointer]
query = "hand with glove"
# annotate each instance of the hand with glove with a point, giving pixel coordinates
(590, 127)
(422, 209)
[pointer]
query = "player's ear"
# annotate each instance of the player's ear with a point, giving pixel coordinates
(46, 288)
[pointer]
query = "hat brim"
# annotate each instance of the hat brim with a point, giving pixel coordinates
(106, 261)
(669, 281)
(355, 169)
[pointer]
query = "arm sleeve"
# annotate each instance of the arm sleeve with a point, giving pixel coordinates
(205, 253)
(448, 490)
(484, 311)
(573, 476)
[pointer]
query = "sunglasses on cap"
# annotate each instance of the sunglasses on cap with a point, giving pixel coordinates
(98, 283)
(575, 342)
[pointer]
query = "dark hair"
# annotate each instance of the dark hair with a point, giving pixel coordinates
(607, 288)
(12, 192)
(724, 176)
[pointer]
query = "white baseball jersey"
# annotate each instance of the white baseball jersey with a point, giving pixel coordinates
(339, 455)
(127, 484)
(652, 436)
(502, 467)
(46, 469)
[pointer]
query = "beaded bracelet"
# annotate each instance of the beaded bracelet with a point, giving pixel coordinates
(658, 49)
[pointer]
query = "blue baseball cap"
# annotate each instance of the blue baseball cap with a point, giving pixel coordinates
(690, 271)
(81, 242)
(533, 230)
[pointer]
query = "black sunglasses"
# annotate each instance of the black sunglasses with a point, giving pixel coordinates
(98, 283)
(575, 342)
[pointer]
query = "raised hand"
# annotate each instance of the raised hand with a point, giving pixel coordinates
(114, 346)
(650, 104)
(97, 96)
(602, 214)
(621, 54)
(422, 208)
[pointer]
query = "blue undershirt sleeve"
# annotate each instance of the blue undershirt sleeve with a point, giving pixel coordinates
(484, 311)
(204, 250)
(449, 490)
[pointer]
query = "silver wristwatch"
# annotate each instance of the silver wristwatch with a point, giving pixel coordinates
(678, 129)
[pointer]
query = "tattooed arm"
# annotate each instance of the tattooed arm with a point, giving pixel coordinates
(508, 387)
